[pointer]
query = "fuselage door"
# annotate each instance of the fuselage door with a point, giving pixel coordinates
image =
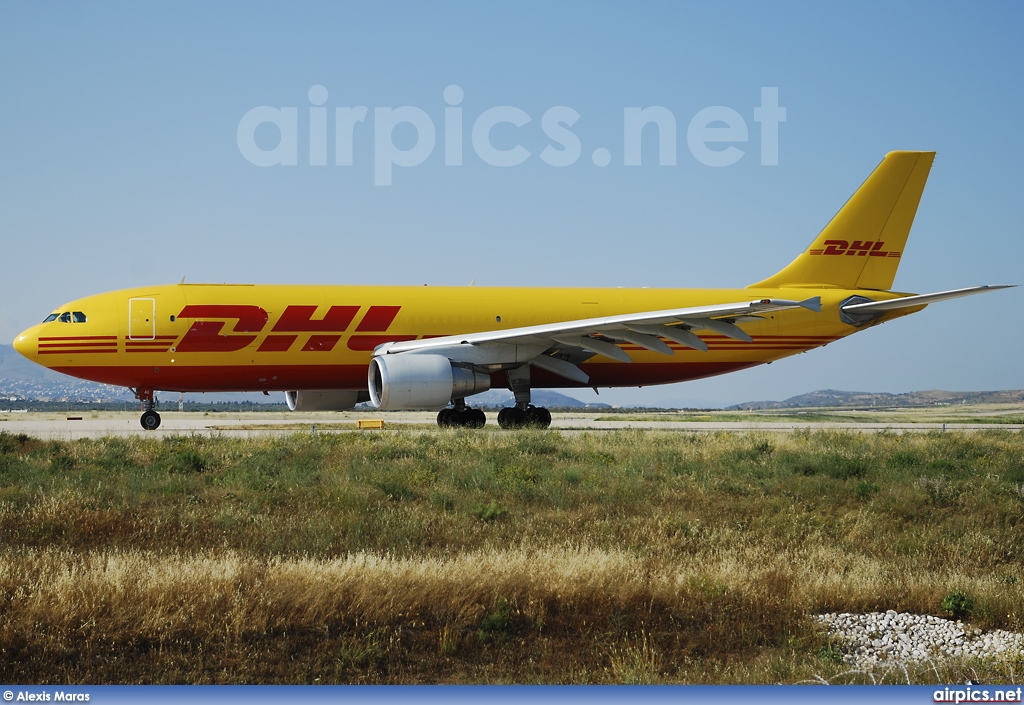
(141, 319)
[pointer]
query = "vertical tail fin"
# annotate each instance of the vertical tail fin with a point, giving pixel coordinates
(861, 246)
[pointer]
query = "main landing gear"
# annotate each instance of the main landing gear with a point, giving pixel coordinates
(511, 418)
(150, 419)
(461, 416)
(531, 416)
(523, 414)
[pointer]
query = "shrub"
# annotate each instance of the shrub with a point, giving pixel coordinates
(498, 624)
(442, 501)
(13, 443)
(394, 489)
(489, 512)
(830, 653)
(903, 459)
(941, 492)
(958, 604)
(186, 460)
(865, 490)
(841, 468)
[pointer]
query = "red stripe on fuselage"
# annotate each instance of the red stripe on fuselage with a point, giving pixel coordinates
(65, 346)
(80, 337)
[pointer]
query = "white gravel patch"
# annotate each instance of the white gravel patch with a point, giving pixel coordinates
(878, 638)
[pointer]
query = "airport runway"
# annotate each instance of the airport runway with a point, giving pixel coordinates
(75, 425)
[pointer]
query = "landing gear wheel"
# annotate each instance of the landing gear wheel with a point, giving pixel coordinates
(512, 418)
(448, 418)
(531, 416)
(474, 418)
(538, 417)
(461, 417)
(150, 420)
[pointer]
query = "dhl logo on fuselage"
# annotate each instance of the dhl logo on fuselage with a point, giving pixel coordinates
(206, 334)
(858, 248)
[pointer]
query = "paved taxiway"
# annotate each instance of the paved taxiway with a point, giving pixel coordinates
(101, 424)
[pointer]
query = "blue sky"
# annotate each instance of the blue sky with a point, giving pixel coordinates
(122, 167)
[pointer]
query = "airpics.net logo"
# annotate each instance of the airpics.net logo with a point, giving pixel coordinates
(712, 134)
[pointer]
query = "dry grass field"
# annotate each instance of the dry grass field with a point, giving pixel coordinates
(535, 557)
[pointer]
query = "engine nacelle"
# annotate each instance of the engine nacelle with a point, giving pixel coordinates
(417, 381)
(324, 401)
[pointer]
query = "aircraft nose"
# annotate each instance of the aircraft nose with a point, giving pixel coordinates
(25, 344)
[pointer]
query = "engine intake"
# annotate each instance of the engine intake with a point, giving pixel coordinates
(416, 381)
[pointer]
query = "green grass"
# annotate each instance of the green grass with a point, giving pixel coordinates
(487, 556)
(815, 415)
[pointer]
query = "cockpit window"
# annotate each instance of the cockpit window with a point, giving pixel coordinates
(67, 317)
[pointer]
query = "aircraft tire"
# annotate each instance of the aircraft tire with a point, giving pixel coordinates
(150, 420)
(456, 418)
(511, 418)
(474, 418)
(538, 417)
(503, 420)
(448, 418)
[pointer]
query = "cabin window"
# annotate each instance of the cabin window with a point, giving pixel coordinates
(78, 317)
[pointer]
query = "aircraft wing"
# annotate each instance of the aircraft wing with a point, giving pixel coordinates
(597, 335)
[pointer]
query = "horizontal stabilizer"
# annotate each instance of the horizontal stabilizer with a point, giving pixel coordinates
(920, 299)
(812, 304)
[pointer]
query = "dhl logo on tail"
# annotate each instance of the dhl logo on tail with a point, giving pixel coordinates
(858, 247)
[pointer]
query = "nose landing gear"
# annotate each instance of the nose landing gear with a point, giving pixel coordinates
(150, 419)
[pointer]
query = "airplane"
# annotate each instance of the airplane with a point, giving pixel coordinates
(331, 347)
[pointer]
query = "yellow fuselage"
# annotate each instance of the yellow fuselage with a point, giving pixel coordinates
(200, 337)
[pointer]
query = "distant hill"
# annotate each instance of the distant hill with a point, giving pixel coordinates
(15, 368)
(21, 379)
(867, 400)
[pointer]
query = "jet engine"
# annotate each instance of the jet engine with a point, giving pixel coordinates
(324, 401)
(421, 381)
